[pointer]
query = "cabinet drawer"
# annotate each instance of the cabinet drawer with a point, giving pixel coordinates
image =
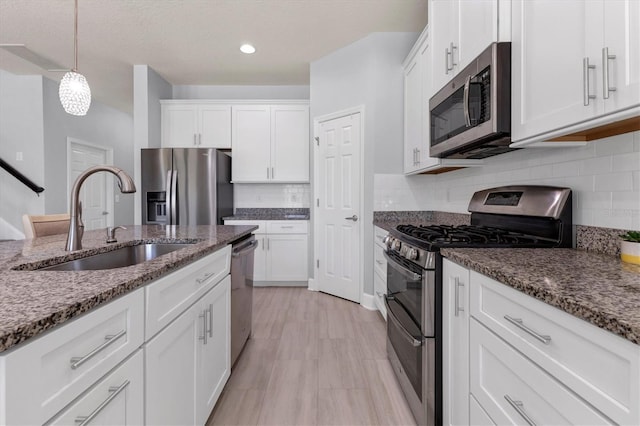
(379, 291)
(115, 400)
(599, 366)
(261, 224)
(287, 227)
(380, 263)
(48, 373)
(171, 295)
(513, 390)
(379, 234)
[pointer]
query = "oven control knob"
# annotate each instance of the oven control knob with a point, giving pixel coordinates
(412, 254)
(395, 245)
(403, 251)
(387, 241)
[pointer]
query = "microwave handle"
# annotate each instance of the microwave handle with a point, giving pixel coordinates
(465, 101)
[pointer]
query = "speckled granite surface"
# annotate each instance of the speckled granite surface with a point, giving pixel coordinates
(599, 240)
(270, 214)
(32, 302)
(391, 219)
(595, 287)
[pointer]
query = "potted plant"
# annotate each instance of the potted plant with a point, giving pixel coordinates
(630, 247)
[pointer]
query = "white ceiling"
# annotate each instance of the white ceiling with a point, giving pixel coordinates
(194, 41)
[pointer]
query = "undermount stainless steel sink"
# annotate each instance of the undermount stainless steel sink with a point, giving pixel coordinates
(118, 258)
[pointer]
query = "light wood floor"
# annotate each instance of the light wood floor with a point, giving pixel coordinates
(312, 359)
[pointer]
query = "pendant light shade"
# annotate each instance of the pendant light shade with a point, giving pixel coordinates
(74, 92)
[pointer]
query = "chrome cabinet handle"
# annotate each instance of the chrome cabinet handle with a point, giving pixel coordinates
(195, 139)
(353, 218)
(267, 173)
(453, 62)
(606, 89)
(457, 284)
(115, 391)
(286, 226)
(211, 320)
(203, 315)
(447, 53)
(262, 244)
(109, 339)
(518, 323)
(379, 262)
(519, 407)
(273, 174)
(417, 157)
(205, 277)
(585, 79)
(465, 101)
(199, 139)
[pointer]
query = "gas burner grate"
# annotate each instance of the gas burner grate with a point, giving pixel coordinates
(466, 234)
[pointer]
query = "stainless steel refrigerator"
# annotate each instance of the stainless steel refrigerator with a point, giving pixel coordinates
(186, 186)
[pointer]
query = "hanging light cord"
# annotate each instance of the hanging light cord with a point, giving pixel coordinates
(75, 38)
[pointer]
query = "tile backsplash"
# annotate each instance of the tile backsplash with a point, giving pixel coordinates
(604, 176)
(271, 195)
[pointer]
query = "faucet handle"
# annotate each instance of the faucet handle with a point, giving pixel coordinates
(111, 233)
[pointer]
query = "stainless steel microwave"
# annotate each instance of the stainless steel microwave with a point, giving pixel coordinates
(471, 116)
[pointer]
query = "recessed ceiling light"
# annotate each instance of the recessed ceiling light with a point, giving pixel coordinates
(247, 48)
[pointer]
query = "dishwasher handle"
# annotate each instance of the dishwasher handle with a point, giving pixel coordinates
(241, 251)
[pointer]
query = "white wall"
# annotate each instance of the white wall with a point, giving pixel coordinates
(104, 126)
(367, 72)
(240, 92)
(148, 88)
(21, 130)
(604, 176)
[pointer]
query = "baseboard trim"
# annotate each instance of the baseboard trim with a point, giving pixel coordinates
(280, 284)
(368, 301)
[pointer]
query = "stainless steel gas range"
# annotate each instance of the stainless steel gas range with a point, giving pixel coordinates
(510, 216)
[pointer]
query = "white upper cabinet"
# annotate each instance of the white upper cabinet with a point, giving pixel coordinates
(270, 143)
(195, 125)
(418, 88)
(575, 66)
(461, 30)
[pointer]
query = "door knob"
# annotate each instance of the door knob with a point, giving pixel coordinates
(353, 218)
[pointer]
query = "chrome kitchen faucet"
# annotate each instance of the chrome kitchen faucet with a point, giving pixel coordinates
(76, 227)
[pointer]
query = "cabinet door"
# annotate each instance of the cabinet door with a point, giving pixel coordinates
(412, 114)
(214, 123)
(171, 369)
(622, 38)
(251, 141)
(117, 399)
(455, 341)
(260, 259)
(477, 28)
(287, 257)
(179, 126)
(550, 40)
(443, 23)
(290, 143)
(214, 356)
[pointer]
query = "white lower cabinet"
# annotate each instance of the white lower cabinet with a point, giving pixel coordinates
(282, 251)
(527, 362)
(117, 399)
(188, 362)
(455, 344)
(379, 270)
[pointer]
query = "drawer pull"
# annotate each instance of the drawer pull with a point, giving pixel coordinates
(518, 323)
(519, 407)
(458, 284)
(286, 227)
(203, 315)
(205, 277)
(115, 390)
(110, 338)
(379, 262)
(211, 320)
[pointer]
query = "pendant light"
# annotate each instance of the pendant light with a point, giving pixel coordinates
(74, 92)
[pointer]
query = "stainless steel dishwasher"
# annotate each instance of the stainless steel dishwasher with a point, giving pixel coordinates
(241, 293)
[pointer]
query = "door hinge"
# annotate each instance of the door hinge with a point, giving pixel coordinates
(317, 202)
(318, 263)
(317, 140)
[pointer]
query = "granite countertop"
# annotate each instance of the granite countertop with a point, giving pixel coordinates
(270, 214)
(32, 301)
(597, 288)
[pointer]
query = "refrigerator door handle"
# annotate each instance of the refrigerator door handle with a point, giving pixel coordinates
(168, 196)
(174, 197)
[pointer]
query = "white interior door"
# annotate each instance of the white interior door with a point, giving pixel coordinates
(97, 203)
(338, 183)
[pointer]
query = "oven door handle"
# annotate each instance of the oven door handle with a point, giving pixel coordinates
(465, 102)
(404, 271)
(405, 334)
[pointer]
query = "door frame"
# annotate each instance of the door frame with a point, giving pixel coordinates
(317, 122)
(109, 178)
